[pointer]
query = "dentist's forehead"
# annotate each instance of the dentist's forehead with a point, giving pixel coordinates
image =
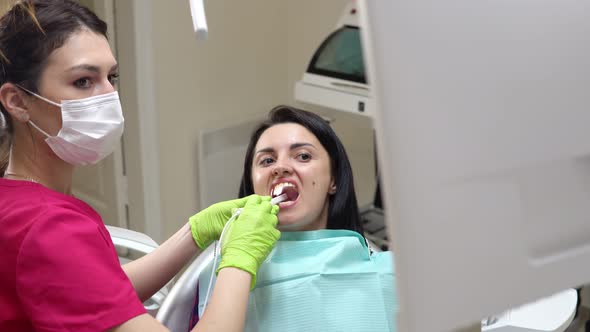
(84, 48)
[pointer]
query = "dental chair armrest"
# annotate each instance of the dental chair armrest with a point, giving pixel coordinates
(132, 239)
(177, 308)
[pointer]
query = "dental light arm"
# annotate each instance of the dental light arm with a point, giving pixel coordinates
(199, 19)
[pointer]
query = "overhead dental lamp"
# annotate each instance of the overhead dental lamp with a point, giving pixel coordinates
(335, 77)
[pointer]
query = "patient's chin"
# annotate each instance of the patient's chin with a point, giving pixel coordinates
(290, 225)
(296, 225)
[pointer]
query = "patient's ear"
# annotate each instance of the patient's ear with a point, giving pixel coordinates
(12, 98)
(332, 189)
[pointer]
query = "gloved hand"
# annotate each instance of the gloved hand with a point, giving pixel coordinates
(206, 226)
(249, 239)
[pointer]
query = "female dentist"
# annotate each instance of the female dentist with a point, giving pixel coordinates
(58, 267)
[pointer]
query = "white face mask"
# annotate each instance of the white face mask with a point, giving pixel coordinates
(91, 128)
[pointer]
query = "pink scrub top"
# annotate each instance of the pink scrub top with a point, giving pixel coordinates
(59, 270)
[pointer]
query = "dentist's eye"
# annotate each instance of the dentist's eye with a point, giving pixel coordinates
(114, 79)
(304, 157)
(83, 83)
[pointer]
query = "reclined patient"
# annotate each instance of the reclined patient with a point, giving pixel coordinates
(321, 275)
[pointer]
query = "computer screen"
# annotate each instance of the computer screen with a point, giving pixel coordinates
(483, 134)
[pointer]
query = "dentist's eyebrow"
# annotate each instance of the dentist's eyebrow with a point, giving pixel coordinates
(85, 67)
(92, 68)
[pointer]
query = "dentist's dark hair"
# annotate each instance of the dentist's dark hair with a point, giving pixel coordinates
(343, 209)
(29, 32)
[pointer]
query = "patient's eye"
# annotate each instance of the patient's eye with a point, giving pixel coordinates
(304, 157)
(266, 161)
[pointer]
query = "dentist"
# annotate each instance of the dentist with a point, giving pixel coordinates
(59, 270)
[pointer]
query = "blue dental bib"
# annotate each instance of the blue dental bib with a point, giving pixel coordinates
(325, 280)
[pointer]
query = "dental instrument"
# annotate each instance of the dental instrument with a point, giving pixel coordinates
(217, 252)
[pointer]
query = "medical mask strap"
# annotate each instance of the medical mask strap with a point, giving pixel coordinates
(39, 129)
(44, 99)
(40, 97)
(3, 123)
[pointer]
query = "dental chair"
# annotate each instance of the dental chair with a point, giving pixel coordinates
(177, 308)
(131, 245)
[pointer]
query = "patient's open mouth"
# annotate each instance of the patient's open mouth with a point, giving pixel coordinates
(285, 188)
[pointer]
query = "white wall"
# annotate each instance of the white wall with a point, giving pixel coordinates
(238, 73)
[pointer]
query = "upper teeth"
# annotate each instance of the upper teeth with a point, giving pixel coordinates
(278, 189)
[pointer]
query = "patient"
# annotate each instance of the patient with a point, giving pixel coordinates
(321, 275)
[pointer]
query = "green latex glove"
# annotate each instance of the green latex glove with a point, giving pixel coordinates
(206, 226)
(249, 239)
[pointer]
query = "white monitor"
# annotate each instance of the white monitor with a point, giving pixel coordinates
(483, 130)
